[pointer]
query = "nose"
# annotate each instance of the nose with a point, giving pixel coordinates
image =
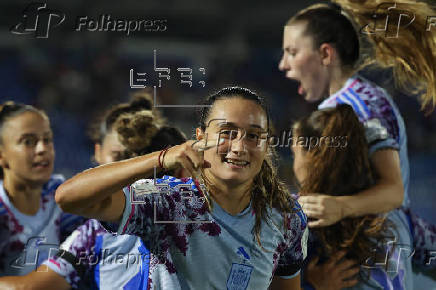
(238, 144)
(41, 147)
(283, 64)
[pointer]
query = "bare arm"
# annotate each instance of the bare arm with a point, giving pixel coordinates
(388, 192)
(285, 284)
(385, 195)
(97, 192)
(35, 280)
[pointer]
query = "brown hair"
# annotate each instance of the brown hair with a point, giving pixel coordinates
(140, 133)
(414, 72)
(341, 170)
(9, 110)
(268, 190)
(139, 101)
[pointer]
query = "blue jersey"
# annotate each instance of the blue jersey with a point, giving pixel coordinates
(384, 126)
(92, 258)
(27, 240)
(193, 248)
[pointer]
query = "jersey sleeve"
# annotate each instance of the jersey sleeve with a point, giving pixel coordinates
(380, 136)
(155, 207)
(69, 223)
(76, 256)
(382, 125)
(291, 260)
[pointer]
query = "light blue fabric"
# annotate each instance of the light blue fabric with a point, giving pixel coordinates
(381, 118)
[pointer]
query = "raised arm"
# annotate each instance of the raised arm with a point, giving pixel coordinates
(97, 192)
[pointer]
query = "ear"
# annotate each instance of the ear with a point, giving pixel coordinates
(199, 133)
(97, 153)
(327, 53)
(3, 162)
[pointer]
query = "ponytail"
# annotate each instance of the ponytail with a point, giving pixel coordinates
(348, 24)
(410, 50)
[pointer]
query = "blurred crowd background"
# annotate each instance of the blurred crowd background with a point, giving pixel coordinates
(75, 75)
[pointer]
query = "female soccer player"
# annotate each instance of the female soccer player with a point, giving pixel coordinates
(91, 257)
(321, 50)
(381, 247)
(236, 232)
(30, 220)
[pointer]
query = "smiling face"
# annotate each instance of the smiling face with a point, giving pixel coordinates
(303, 63)
(239, 123)
(27, 152)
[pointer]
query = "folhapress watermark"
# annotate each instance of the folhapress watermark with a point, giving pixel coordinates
(105, 22)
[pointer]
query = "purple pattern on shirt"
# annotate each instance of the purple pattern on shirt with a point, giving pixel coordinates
(13, 237)
(82, 247)
(162, 239)
(376, 101)
(424, 241)
(172, 207)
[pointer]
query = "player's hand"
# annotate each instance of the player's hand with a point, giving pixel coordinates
(332, 275)
(189, 155)
(325, 210)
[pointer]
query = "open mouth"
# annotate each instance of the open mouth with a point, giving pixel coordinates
(301, 90)
(236, 163)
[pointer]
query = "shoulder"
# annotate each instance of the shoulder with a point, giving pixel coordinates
(298, 219)
(53, 183)
(168, 185)
(84, 237)
(369, 101)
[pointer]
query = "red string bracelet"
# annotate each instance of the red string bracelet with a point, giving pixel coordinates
(162, 154)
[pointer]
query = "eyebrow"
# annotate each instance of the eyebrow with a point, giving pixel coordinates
(230, 124)
(35, 135)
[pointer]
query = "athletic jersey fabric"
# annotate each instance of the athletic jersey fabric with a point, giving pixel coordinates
(384, 126)
(192, 248)
(92, 258)
(26, 241)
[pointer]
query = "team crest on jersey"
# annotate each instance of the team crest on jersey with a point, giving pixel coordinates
(239, 277)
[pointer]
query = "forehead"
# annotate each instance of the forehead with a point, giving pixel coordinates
(112, 142)
(294, 35)
(27, 123)
(243, 113)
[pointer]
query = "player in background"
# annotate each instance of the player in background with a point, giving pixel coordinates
(373, 251)
(323, 50)
(30, 220)
(124, 131)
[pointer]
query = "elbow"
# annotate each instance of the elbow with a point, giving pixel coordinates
(63, 197)
(399, 195)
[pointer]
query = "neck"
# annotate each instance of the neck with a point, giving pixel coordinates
(338, 79)
(233, 198)
(23, 195)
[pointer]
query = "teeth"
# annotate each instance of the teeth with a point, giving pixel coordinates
(236, 162)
